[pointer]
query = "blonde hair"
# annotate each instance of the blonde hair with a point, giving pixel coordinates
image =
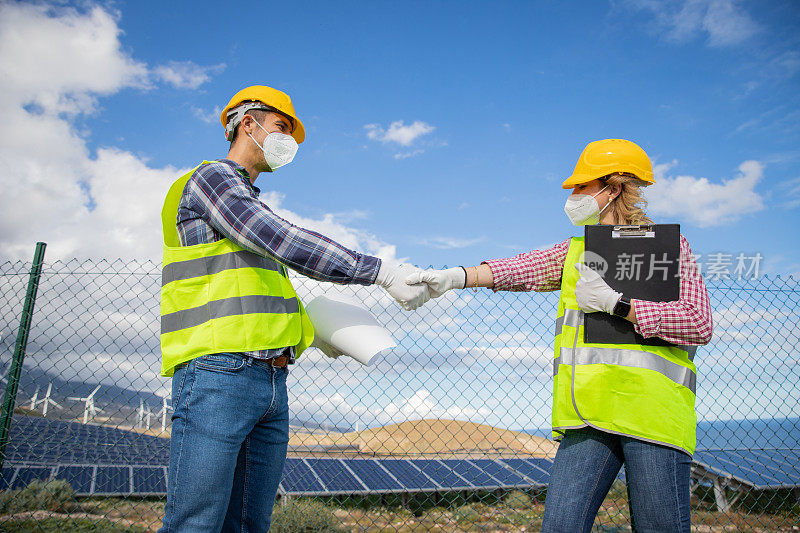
(628, 206)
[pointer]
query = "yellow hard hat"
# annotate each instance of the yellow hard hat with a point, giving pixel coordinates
(601, 158)
(261, 96)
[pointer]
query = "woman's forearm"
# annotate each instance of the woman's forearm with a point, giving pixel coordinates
(479, 276)
(632, 314)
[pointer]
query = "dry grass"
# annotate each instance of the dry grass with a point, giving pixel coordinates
(145, 515)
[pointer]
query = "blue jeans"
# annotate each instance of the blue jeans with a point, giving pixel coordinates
(588, 461)
(230, 430)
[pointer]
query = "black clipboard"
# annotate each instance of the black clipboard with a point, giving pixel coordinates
(641, 262)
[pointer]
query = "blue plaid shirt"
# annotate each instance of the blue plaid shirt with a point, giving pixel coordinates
(220, 202)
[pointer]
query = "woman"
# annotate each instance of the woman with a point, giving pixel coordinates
(626, 404)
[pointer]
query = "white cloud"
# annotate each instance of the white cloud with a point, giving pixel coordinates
(705, 203)
(59, 59)
(780, 120)
(209, 117)
(406, 155)
(727, 24)
(531, 355)
(722, 22)
(742, 313)
(398, 132)
(422, 405)
(332, 227)
(790, 192)
(449, 243)
(660, 170)
(54, 65)
(186, 74)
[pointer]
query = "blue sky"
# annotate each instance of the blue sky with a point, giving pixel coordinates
(438, 132)
(509, 94)
(514, 92)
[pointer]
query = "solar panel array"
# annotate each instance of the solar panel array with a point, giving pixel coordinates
(762, 469)
(44, 441)
(99, 460)
(317, 476)
(94, 480)
(307, 476)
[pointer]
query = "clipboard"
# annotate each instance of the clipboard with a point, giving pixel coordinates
(640, 261)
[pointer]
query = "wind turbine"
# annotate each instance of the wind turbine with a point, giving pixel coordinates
(35, 398)
(144, 414)
(163, 413)
(46, 400)
(90, 409)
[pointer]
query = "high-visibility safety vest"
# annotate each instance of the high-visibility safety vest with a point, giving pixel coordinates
(219, 297)
(645, 392)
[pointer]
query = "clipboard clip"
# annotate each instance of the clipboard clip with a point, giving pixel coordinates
(633, 231)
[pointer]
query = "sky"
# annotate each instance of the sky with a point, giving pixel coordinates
(437, 132)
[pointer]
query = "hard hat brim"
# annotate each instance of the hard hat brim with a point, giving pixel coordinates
(576, 179)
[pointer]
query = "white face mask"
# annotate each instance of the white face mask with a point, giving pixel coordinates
(583, 210)
(279, 149)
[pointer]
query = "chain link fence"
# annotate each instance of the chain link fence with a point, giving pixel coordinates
(446, 432)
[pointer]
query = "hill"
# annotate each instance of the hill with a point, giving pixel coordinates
(429, 437)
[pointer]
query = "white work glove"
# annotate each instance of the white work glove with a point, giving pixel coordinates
(593, 293)
(393, 279)
(326, 348)
(439, 281)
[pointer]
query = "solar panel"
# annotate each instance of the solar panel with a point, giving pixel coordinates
(79, 477)
(530, 469)
(113, 480)
(334, 475)
(298, 477)
(39, 440)
(783, 465)
(6, 475)
(408, 476)
(762, 468)
(474, 475)
(373, 476)
(26, 474)
(441, 474)
(726, 464)
(149, 480)
(506, 476)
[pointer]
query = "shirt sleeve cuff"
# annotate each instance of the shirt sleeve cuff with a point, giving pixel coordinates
(648, 318)
(366, 270)
(501, 274)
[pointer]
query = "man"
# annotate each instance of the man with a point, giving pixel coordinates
(231, 322)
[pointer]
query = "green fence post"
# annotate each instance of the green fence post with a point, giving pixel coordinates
(19, 349)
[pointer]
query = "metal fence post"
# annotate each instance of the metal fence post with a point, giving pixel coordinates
(19, 349)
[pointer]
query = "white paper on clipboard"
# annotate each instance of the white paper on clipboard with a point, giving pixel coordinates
(348, 326)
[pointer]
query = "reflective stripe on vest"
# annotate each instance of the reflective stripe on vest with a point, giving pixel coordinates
(574, 318)
(596, 355)
(238, 305)
(203, 266)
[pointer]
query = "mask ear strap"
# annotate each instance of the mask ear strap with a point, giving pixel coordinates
(254, 139)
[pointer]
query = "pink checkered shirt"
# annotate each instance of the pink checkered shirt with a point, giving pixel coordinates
(685, 321)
